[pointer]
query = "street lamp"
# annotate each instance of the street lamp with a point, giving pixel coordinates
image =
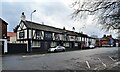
(31, 14)
(31, 31)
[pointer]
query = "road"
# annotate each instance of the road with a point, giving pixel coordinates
(91, 59)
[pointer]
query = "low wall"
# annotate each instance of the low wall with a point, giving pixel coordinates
(14, 48)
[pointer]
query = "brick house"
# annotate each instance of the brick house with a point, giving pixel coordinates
(3, 29)
(11, 37)
(106, 40)
(3, 35)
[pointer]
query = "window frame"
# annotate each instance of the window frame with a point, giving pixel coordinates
(21, 34)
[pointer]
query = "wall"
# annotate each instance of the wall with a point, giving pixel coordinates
(14, 48)
(3, 29)
(13, 39)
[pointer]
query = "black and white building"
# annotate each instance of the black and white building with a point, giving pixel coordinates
(40, 37)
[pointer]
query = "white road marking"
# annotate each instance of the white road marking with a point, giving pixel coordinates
(88, 64)
(95, 68)
(111, 58)
(33, 55)
(102, 62)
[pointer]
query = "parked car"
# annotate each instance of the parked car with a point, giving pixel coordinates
(56, 49)
(92, 46)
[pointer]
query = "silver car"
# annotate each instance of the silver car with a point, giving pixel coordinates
(92, 46)
(56, 49)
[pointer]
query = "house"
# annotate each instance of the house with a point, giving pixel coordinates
(106, 40)
(3, 29)
(3, 36)
(40, 37)
(11, 37)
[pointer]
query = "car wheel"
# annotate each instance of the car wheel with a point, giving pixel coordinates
(63, 50)
(55, 50)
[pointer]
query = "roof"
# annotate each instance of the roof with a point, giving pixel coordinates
(33, 25)
(3, 22)
(11, 34)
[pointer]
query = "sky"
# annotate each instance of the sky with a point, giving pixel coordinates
(56, 13)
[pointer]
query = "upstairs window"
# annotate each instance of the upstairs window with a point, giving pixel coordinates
(57, 37)
(21, 34)
(48, 36)
(38, 34)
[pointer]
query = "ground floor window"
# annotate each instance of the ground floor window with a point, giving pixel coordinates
(66, 44)
(76, 44)
(35, 43)
(53, 44)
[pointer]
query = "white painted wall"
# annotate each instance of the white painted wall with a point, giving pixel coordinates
(19, 28)
(13, 39)
(53, 36)
(18, 35)
(82, 38)
(43, 35)
(61, 37)
(72, 38)
(5, 45)
(93, 41)
(25, 34)
(29, 33)
(24, 27)
(78, 38)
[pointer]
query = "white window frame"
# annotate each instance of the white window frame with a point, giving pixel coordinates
(53, 44)
(36, 44)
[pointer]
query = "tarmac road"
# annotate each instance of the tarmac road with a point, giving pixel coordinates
(91, 59)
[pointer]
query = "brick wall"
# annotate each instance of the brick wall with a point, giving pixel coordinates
(3, 29)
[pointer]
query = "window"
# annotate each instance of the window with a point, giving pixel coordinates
(66, 44)
(57, 37)
(76, 44)
(48, 36)
(36, 44)
(38, 34)
(21, 34)
(53, 44)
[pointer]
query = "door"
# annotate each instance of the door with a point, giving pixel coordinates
(1, 47)
(46, 45)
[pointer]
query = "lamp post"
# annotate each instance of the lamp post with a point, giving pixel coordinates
(31, 14)
(31, 30)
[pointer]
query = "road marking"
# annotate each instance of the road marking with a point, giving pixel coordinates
(111, 58)
(102, 62)
(95, 68)
(33, 55)
(88, 64)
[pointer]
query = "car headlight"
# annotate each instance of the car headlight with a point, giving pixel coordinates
(51, 49)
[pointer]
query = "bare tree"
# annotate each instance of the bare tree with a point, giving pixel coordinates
(107, 12)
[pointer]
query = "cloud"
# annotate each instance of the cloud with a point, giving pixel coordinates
(52, 12)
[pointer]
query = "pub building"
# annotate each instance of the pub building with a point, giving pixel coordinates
(40, 37)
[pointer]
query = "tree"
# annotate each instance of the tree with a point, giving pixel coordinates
(107, 12)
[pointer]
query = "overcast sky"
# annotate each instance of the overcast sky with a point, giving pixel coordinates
(56, 13)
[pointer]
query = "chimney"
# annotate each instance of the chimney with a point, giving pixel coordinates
(104, 35)
(42, 23)
(111, 36)
(23, 17)
(73, 29)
